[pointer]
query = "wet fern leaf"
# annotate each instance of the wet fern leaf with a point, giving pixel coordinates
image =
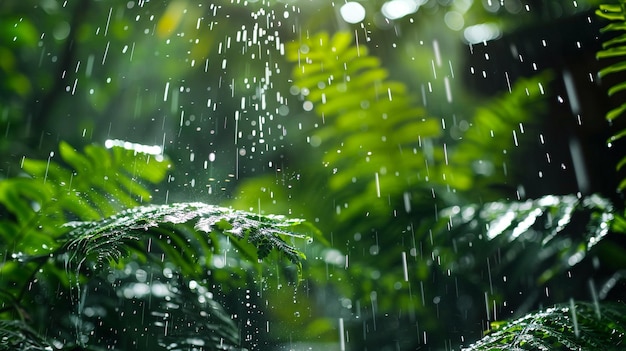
(563, 228)
(186, 231)
(555, 213)
(577, 326)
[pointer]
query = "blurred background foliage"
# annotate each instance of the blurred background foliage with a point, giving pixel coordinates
(367, 130)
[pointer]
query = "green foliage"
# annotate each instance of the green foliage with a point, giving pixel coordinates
(380, 148)
(498, 132)
(614, 48)
(373, 131)
(387, 190)
(95, 273)
(576, 326)
(181, 239)
(369, 180)
(80, 186)
(541, 238)
(155, 259)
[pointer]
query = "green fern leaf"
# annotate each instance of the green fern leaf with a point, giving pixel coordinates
(617, 41)
(516, 218)
(182, 239)
(613, 8)
(617, 88)
(616, 112)
(611, 12)
(359, 104)
(18, 194)
(621, 163)
(105, 239)
(544, 224)
(577, 327)
(614, 27)
(614, 138)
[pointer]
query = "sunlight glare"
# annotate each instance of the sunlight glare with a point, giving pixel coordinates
(352, 12)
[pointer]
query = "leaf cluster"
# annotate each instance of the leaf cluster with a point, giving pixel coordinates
(80, 186)
(71, 248)
(381, 147)
(376, 171)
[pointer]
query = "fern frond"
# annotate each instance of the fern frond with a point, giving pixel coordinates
(616, 112)
(109, 180)
(519, 230)
(614, 47)
(107, 239)
(370, 120)
(612, 69)
(614, 27)
(179, 311)
(611, 43)
(577, 326)
(612, 12)
(617, 88)
(612, 52)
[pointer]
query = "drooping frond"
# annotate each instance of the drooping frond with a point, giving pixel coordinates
(553, 213)
(562, 228)
(166, 265)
